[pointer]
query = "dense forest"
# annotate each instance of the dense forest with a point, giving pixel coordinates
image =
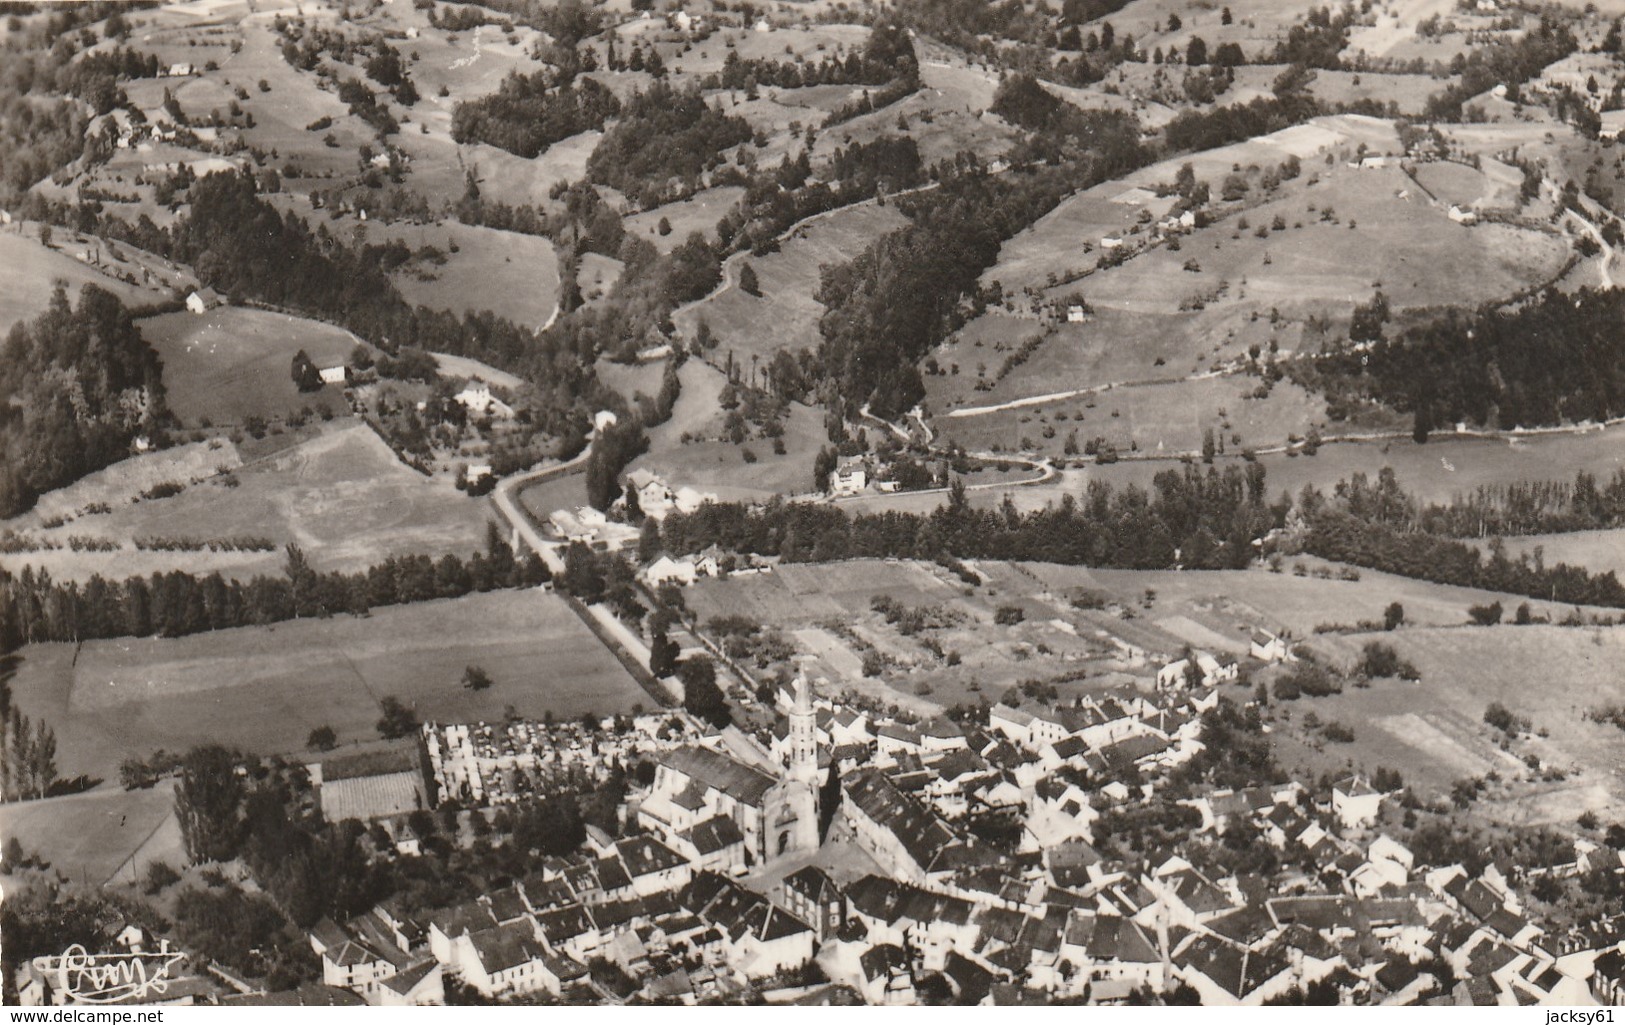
(34, 608)
(531, 112)
(664, 141)
(1558, 359)
(77, 385)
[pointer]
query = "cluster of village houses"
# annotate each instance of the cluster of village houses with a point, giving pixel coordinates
(727, 881)
(835, 851)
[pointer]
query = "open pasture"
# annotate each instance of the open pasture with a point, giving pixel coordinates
(711, 463)
(1401, 243)
(102, 836)
(234, 362)
(342, 496)
(1232, 602)
(1054, 243)
(29, 272)
(263, 689)
(1151, 418)
(512, 275)
(786, 314)
(460, 367)
(1409, 93)
(698, 213)
(945, 117)
(1551, 675)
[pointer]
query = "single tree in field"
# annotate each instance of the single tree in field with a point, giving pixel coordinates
(322, 738)
(13, 856)
(1393, 616)
(748, 282)
(397, 720)
(475, 678)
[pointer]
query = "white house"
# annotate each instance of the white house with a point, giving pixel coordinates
(1111, 242)
(1461, 216)
(476, 397)
(338, 375)
(203, 300)
(1074, 314)
(1269, 647)
(849, 477)
(1356, 802)
(1176, 674)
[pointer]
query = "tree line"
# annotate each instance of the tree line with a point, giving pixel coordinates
(34, 608)
(1379, 526)
(1190, 518)
(887, 56)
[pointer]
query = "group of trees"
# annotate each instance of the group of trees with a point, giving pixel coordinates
(529, 113)
(1558, 359)
(35, 608)
(77, 384)
(27, 755)
(1507, 60)
(887, 56)
(664, 141)
(1199, 520)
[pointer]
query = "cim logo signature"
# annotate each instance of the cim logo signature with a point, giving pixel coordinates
(108, 978)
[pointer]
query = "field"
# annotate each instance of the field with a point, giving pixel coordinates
(825, 611)
(788, 281)
(699, 213)
(29, 272)
(709, 462)
(1404, 242)
(1408, 92)
(1601, 551)
(340, 495)
(1432, 732)
(232, 362)
(263, 689)
(945, 117)
(1168, 418)
(513, 276)
(102, 836)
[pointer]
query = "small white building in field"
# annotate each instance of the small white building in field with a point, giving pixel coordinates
(1074, 314)
(1463, 216)
(204, 300)
(339, 375)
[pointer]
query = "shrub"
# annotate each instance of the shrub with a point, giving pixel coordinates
(1486, 615)
(1379, 659)
(1009, 615)
(160, 874)
(322, 738)
(1337, 733)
